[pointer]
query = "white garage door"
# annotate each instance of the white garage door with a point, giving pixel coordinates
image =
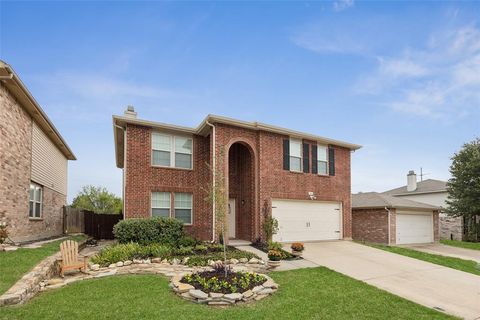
(414, 227)
(307, 220)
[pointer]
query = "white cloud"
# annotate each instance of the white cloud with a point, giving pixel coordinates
(340, 5)
(440, 81)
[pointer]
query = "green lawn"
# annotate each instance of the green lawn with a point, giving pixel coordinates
(462, 244)
(14, 264)
(450, 262)
(316, 293)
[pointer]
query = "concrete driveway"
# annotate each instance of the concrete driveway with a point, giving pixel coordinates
(450, 251)
(455, 292)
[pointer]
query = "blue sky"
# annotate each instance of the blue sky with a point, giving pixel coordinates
(400, 78)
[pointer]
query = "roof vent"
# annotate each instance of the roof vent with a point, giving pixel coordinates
(130, 112)
(411, 181)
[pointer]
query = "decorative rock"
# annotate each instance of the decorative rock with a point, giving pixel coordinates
(257, 289)
(253, 261)
(216, 295)
(175, 261)
(156, 260)
(165, 261)
(248, 293)
(187, 296)
(54, 281)
(56, 286)
(211, 262)
(243, 260)
(233, 261)
(185, 260)
(199, 294)
(234, 296)
(127, 262)
(113, 265)
(147, 261)
(266, 291)
(261, 296)
(270, 284)
(8, 299)
(95, 267)
(105, 274)
(218, 303)
(137, 261)
(184, 287)
(119, 264)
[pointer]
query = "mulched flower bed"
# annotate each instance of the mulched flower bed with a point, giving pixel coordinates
(215, 281)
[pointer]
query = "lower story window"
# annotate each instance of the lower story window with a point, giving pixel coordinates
(161, 204)
(183, 207)
(35, 201)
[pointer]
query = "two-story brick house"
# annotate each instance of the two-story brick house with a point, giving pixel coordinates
(33, 164)
(301, 179)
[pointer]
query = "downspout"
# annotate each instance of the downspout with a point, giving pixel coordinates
(388, 211)
(124, 165)
(213, 179)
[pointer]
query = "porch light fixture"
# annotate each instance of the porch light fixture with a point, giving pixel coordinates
(312, 195)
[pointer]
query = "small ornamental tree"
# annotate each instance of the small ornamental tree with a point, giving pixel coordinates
(218, 197)
(98, 200)
(464, 186)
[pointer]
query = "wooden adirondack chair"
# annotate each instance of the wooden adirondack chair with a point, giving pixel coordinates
(71, 260)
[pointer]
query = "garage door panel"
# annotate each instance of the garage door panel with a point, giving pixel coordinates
(414, 228)
(306, 220)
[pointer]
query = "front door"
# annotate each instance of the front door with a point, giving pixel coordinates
(231, 219)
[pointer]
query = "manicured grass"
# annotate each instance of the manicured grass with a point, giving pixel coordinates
(316, 293)
(14, 264)
(462, 244)
(450, 262)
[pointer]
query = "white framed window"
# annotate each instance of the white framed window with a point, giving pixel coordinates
(161, 204)
(322, 159)
(295, 155)
(171, 151)
(183, 207)
(35, 201)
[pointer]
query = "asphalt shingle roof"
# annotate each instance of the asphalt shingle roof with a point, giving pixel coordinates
(381, 200)
(426, 186)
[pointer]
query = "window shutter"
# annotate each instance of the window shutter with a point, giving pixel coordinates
(306, 158)
(331, 161)
(286, 154)
(314, 159)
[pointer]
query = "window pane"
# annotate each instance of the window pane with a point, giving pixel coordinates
(295, 148)
(322, 153)
(184, 215)
(183, 200)
(161, 212)
(32, 192)
(38, 209)
(160, 200)
(161, 142)
(38, 194)
(322, 167)
(295, 164)
(161, 158)
(183, 145)
(30, 211)
(183, 160)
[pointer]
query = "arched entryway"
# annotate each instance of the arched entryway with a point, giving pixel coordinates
(241, 192)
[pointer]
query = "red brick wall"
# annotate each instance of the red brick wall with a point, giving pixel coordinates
(370, 225)
(142, 178)
(256, 170)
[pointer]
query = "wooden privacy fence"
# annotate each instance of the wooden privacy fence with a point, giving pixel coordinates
(99, 226)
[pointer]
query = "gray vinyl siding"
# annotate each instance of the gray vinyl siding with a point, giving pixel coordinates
(49, 165)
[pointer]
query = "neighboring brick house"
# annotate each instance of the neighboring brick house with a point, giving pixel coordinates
(433, 192)
(381, 218)
(33, 164)
(301, 179)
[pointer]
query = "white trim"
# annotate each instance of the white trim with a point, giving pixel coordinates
(36, 188)
(327, 161)
(290, 140)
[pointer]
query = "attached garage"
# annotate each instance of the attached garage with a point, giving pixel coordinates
(381, 218)
(307, 220)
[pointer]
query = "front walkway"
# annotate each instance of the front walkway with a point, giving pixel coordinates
(449, 251)
(431, 285)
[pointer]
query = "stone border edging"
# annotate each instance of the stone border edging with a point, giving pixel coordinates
(29, 284)
(188, 292)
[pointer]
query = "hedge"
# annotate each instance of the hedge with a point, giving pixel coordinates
(165, 231)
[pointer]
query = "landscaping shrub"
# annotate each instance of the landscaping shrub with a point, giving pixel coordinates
(188, 241)
(147, 231)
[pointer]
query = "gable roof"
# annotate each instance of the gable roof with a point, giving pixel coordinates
(203, 129)
(366, 200)
(426, 186)
(16, 87)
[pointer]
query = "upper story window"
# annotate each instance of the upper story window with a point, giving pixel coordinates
(36, 196)
(171, 151)
(322, 159)
(295, 155)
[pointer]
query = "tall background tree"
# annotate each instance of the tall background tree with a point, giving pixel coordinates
(464, 186)
(98, 200)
